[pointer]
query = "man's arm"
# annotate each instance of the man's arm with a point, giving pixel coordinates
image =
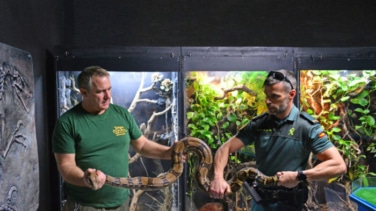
(72, 174)
(219, 186)
(332, 165)
(151, 149)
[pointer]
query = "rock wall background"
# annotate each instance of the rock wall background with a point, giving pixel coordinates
(19, 167)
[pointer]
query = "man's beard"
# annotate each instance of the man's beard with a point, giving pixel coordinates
(281, 109)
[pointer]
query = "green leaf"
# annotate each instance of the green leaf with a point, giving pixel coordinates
(225, 125)
(363, 102)
(346, 98)
(333, 117)
(370, 120)
(190, 115)
(232, 117)
(336, 129)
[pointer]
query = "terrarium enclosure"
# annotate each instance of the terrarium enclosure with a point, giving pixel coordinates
(211, 92)
(151, 98)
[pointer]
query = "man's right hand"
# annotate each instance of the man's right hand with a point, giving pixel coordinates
(219, 188)
(94, 179)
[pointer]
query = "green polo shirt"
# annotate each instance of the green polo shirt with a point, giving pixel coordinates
(100, 142)
(284, 145)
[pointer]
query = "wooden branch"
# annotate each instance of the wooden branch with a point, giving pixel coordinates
(147, 101)
(241, 87)
(137, 95)
(157, 114)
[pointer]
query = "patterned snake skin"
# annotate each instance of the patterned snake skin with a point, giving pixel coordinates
(205, 157)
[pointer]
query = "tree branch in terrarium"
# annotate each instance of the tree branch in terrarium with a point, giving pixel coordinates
(145, 128)
(138, 93)
(236, 88)
(155, 114)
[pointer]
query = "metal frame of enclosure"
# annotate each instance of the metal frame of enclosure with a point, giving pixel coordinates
(183, 59)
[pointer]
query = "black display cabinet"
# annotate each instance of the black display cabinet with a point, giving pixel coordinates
(134, 69)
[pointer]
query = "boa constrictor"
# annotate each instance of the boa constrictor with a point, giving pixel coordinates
(180, 148)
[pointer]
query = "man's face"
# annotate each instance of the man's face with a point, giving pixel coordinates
(98, 99)
(278, 100)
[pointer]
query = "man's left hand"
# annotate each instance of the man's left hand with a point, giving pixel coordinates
(287, 179)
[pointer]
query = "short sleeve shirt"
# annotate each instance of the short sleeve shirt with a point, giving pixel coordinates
(100, 142)
(284, 145)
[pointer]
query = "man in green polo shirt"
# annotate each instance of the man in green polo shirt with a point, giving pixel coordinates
(283, 139)
(95, 135)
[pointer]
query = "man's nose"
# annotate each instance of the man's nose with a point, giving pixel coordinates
(107, 94)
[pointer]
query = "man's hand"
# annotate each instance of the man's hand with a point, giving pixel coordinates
(288, 179)
(94, 179)
(219, 188)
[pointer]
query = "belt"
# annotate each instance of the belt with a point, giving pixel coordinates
(281, 194)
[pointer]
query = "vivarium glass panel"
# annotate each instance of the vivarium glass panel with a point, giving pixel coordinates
(151, 98)
(218, 104)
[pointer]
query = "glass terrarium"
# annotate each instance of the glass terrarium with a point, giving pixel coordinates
(211, 92)
(344, 102)
(217, 105)
(364, 192)
(151, 98)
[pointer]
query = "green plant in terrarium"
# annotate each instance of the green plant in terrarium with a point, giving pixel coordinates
(216, 113)
(218, 106)
(340, 100)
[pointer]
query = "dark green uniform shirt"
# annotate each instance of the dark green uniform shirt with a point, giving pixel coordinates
(100, 142)
(284, 145)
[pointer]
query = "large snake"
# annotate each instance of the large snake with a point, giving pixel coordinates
(180, 148)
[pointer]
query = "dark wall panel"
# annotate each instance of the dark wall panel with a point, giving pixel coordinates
(221, 23)
(35, 26)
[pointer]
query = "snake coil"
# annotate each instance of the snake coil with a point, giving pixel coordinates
(180, 148)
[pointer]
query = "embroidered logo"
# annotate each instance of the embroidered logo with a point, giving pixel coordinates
(291, 132)
(265, 130)
(119, 130)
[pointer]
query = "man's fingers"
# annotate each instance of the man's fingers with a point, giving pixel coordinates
(91, 179)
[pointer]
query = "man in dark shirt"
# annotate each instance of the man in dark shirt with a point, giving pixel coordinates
(284, 139)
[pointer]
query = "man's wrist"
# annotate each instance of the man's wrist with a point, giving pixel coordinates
(301, 176)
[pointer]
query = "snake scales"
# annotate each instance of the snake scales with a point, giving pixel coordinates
(205, 157)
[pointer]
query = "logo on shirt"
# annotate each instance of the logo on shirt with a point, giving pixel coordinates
(119, 130)
(291, 131)
(265, 130)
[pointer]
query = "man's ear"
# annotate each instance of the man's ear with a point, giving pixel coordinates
(83, 92)
(292, 93)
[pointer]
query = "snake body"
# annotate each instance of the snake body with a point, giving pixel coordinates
(251, 173)
(180, 148)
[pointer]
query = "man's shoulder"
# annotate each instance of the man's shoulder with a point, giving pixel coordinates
(71, 112)
(308, 118)
(117, 108)
(261, 117)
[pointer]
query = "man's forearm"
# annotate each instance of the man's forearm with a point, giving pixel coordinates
(220, 161)
(325, 170)
(332, 165)
(73, 175)
(154, 150)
